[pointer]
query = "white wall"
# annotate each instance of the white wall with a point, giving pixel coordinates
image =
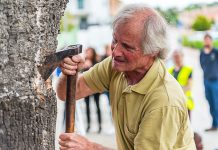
(96, 36)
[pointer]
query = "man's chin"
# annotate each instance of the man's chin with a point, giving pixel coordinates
(116, 68)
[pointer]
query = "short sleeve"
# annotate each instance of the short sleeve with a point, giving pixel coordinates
(98, 77)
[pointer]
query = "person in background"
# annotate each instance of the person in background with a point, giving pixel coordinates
(90, 60)
(183, 74)
(209, 65)
(108, 52)
(148, 105)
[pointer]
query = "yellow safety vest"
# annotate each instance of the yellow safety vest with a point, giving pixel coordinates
(182, 78)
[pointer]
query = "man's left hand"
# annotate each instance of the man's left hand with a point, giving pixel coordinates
(73, 141)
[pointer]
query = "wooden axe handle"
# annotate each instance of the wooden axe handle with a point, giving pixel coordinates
(70, 103)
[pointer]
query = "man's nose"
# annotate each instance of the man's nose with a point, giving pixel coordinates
(117, 50)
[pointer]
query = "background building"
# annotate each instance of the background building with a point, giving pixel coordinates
(92, 20)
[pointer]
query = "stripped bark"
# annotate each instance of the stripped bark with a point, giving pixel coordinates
(27, 106)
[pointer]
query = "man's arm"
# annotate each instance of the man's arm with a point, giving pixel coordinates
(82, 89)
(188, 87)
(200, 59)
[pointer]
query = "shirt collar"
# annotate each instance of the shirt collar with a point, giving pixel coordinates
(144, 85)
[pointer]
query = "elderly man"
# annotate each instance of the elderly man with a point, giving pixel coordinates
(148, 105)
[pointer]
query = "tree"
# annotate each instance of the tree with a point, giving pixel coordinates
(193, 7)
(201, 23)
(171, 15)
(27, 105)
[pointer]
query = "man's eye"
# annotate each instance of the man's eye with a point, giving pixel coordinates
(127, 47)
(114, 41)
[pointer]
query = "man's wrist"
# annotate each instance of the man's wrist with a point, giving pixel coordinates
(95, 146)
(63, 75)
(63, 78)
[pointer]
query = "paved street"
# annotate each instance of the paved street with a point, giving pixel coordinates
(107, 136)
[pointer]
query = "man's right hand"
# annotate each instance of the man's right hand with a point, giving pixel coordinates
(70, 65)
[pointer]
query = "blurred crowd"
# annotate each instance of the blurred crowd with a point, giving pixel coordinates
(91, 58)
(183, 74)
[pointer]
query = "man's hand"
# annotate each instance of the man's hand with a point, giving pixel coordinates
(70, 65)
(73, 141)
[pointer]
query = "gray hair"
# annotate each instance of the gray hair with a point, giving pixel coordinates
(155, 38)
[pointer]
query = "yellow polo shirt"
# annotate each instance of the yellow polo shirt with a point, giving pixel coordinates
(150, 115)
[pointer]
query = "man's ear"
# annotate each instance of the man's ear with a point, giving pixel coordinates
(154, 54)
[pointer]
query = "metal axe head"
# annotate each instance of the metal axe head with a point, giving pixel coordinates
(52, 61)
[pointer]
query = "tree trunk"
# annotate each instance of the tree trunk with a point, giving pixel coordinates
(27, 106)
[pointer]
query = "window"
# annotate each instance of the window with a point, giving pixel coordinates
(80, 4)
(83, 23)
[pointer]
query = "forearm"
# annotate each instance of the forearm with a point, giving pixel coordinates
(82, 89)
(95, 146)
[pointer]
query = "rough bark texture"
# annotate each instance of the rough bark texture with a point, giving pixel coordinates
(27, 106)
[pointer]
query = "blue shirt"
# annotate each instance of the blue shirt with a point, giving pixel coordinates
(58, 71)
(209, 64)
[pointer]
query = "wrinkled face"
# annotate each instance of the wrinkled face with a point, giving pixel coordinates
(208, 42)
(126, 48)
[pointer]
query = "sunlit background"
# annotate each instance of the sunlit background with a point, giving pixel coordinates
(88, 22)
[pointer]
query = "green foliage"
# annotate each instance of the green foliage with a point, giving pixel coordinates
(215, 43)
(200, 5)
(213, 21)
(197, 44)
(193, 6)
(201, 23)
(193, 44)
(171, 15)
(213, 4)
(66, 23)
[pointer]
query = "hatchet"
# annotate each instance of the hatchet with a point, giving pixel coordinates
(51, 62)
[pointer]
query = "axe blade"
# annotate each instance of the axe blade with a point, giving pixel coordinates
(52, 61)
